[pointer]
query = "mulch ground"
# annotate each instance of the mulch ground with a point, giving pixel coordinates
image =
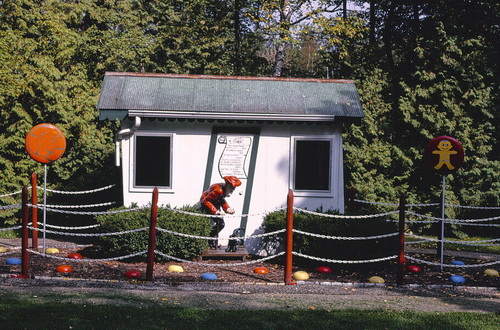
(40, 266)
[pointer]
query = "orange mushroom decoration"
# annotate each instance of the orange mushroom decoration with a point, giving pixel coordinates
(260, 270)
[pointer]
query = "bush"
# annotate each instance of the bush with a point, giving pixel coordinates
(334, 248)
(173, 245)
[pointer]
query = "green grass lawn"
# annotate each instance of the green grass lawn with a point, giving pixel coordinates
(23, 313)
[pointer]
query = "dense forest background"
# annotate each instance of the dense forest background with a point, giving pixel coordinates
(422, 69)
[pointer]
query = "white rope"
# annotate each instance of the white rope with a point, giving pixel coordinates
(422, 205)
(475, 207)
(7, 207)
(87, 260)
(93, 213)
(221, 238)
(74, 206)
(454, 266)
(452, 220)
(344, 261)
(72, 228)
(345, 216)
(89, 235)
(78, 192)
(375, 203)
(343, 238)
(221, 265)
(454, 242)
(12, 194)
(431, 204)
(11, 228)
(222, 215)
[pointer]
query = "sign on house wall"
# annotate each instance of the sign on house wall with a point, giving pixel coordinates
(232, 157)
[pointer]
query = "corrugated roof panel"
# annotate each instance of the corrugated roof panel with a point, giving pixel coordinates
(225, 95)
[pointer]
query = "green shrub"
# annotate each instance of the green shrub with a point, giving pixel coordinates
(334, 248)
(170, 244)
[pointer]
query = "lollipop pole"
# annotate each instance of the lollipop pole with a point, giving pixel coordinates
(44, 205)
(441, 233)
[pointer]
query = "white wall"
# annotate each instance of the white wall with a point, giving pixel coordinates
(191, 141)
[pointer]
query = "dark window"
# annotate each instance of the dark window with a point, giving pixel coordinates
(312, 165)
(152, 161)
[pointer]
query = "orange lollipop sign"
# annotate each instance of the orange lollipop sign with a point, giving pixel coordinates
(45, 143)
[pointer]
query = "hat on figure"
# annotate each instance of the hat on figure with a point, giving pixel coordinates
(232, 180)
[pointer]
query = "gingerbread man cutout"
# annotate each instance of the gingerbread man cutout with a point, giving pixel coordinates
(444, 153)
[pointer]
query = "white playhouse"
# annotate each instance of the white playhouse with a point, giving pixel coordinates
(181, 133)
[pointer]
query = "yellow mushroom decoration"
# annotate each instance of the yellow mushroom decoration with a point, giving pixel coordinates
(300, 275)
(51, 250)
(175, 269)
(376, 279)
(491, 272)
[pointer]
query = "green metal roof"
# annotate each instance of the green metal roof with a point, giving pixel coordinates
(225, 97)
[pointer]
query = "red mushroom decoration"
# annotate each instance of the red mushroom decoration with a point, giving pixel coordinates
(75, 256)
(132, 274)
(64, 269)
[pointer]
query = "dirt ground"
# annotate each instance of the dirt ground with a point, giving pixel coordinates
(236, 271)
(238, 286)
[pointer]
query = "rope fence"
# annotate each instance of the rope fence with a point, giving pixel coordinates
(288, 231)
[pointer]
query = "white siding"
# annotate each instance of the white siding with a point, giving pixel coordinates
(191, 142)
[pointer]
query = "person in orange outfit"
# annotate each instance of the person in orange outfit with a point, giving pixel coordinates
(213, 201)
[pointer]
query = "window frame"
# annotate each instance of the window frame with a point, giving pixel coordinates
(311, 192)
(133, 155)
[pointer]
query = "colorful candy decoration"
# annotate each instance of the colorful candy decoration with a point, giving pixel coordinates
(260, 270)
(18, 276)
(324, 270)
(13, 261)
(75, 256)
(51, 250)
(2, 249)
(45, 143)
(457, 279)
(376, 279)
(132, 274)
(209, 276)
(175, 269)
(64, 269)
(457, 262)
(300, 275)
(491, 272)
(414, 269)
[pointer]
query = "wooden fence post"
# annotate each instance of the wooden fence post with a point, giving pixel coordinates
(351, 204)
(289, 239)
(24, 241)
(34, 211)
(401, 257)
(152, 235)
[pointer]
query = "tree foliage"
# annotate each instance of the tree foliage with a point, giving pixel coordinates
(422, 68)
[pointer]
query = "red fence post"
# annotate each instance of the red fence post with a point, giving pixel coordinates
(351, 204)
(24, 241)
(34, 211)
(289, 238)
(401, 257)
(152, 235)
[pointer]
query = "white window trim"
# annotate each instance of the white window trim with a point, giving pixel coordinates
(147, 189)
(311, 193)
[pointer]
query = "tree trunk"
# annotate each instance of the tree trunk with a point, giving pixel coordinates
(279, 60)
(388, 26)
(372, 22)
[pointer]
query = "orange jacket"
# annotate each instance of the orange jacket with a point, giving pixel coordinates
(213, 198)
